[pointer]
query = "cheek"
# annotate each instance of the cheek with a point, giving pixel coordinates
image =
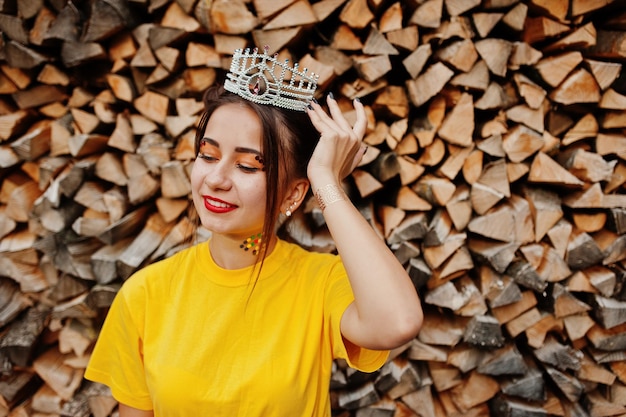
(254, 188)
(197, 174)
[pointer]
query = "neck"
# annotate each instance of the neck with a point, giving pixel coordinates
(227, 252)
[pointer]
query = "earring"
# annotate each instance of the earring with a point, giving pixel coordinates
(289, 211)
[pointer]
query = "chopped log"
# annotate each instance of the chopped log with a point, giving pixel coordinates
(17, 387)
(413, 226)
(476, 78)
(507, 407)
(495, 53)
(366, 183)
(153, 106)
(605, 46)
(495, 224)
(495, 254)
(433, 154)
(414, 63)
(437, 191)
(358, 398)
(579, 87)
(608, 339)
(577, 326)
(38, 96)
(75, 337)
(74, 54)
(609, 312)
(600, 406)
(63, 379)
(421, 400)
(125, 226)
(356, 14)
(523, 322)
(509, 311)
(143, 245)
(475, 390)
(558, 355)
(582, 250)
(537, 332)
(397, 378)
(461, 55)
(20, 56)
(484, 331)
(86, 144)
(429, 84)
(377, 44)
(496, 96)
(568, 385)
(499, 291)
(371, 68)
(20, 342)
(565, 304)
(466, 358)
(545, 170)
(485, 22)
(428, 14)
(45, 400)
(473, 166)
(516, 17)
(458, 126)
(435, 256)
(440, 330)
(447, 296)
(540, 28)
(406, 38)
(505, 361)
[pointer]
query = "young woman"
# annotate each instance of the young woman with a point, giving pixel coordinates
(247, 324)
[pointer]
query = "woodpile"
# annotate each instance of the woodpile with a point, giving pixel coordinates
(496, 173)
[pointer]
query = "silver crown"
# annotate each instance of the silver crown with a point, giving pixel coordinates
(262, 79)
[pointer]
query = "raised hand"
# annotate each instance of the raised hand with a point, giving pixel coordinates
(340, 147)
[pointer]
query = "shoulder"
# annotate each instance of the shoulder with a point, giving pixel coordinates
(304, 260)
(295, 253)
(157, 276)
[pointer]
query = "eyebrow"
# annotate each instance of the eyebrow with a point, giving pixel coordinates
(238, 149)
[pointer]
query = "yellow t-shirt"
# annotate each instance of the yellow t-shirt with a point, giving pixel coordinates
(185, 337)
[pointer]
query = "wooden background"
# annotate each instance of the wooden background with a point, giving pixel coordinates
(495, 172)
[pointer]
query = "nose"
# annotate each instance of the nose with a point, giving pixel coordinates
(219, 176)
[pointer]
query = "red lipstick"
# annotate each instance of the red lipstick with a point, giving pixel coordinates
(215, 205)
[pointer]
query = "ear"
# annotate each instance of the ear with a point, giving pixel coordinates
(294, 195)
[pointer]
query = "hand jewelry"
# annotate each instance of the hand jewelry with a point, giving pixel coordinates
(328, 194)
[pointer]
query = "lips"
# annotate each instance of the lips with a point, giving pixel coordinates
(216, 205)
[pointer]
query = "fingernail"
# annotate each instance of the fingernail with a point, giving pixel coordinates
(308, 106)
(314, 100)
(331, 96)
(358, 100)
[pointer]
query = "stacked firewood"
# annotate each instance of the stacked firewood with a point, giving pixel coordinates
(496, 172)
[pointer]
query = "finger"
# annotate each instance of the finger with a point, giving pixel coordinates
(360, 125)
(318, 117)
(337, 114)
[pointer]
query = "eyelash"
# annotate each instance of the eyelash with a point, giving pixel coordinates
(244, 168)
(247, 168)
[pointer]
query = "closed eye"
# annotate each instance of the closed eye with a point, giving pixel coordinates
(207, 157)
(248, 169)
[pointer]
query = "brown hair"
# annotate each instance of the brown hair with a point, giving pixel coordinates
(288, 141)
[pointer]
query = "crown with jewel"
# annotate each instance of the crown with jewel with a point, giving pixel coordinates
(263, 79)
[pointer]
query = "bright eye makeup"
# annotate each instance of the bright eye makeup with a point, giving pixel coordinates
(208, 151)
(249, 164)
(247, 160)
